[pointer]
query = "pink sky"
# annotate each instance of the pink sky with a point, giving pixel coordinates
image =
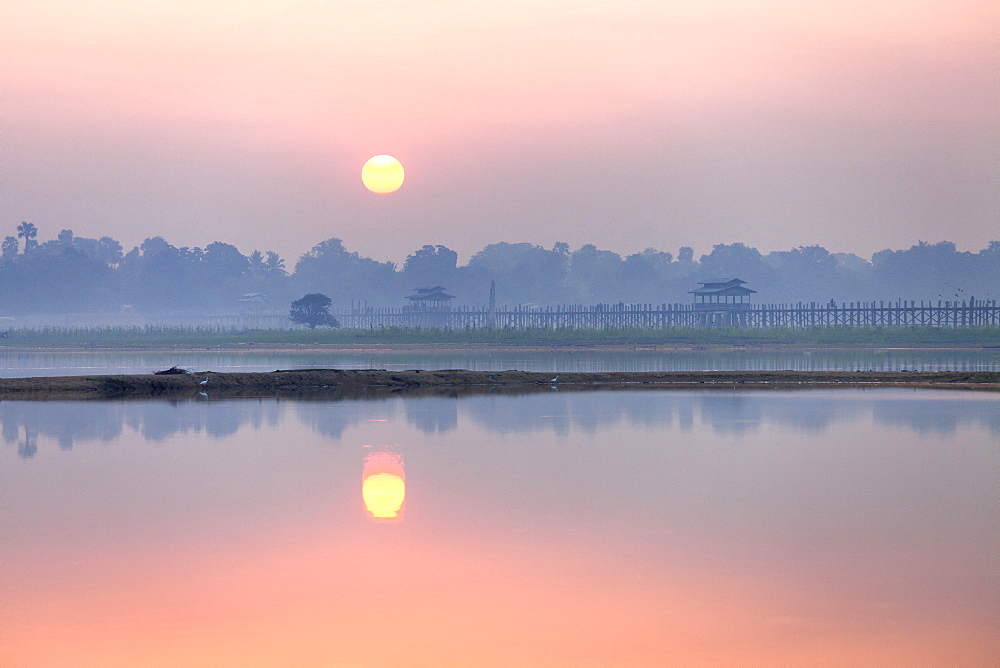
(858, 125)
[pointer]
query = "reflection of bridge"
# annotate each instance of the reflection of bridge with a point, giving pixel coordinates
(969, 313)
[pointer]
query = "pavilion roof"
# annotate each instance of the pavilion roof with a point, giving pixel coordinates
(725, 291)
(434, 294)
(724, 287)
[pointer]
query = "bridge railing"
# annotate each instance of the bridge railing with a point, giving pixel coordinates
(967, 313)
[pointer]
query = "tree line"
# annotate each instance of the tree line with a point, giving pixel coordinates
(71, 274)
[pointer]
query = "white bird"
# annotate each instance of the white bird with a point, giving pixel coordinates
(204, 382)
(204, 394)
(554, 379)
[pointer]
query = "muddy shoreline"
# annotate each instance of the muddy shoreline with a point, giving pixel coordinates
(365, 382)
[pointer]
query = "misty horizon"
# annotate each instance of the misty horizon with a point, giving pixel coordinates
(73, 274)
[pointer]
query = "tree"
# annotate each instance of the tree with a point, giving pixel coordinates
(10, 247)
(740, 261)
(525, 273)
(431, 265)
(595, 275)
(808, 273)
(30, 233)
(313, 311)
(255, 263)
(645, 275)
(108, 251)
(345, 275)
(927, 270)
(56, 279)
(275, 264)
(223, 262)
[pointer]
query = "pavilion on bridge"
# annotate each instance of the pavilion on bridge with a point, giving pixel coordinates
(722, 302)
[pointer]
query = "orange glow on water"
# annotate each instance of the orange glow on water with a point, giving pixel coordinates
(383, 486)
(526, 554)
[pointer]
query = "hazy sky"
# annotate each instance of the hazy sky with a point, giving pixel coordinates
(855, 124)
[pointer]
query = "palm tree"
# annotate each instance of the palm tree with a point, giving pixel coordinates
(28, 231)
(256, 262)
(274, 263)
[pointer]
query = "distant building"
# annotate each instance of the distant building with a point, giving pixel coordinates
(722, 302)
(430, 299)
(253, 303)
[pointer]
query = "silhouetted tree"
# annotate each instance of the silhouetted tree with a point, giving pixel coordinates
(431, 265)
(595, 275)
(645, 276)
(740, 261)
(57, 279)
(987, 270)
(313, 311)
(524, 273)
(160, 277)
(10, 247)
(29, 233)
(76, 274)
(808, 273)
(344, 275)
(927, 270)
(275, 264)
(255, 263)
(266, 274)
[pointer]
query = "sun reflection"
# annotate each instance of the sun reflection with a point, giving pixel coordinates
(383, 486)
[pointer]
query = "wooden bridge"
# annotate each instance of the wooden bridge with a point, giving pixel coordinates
(967, 313)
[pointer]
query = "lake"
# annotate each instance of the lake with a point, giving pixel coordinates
(638, 528)
(41, 362)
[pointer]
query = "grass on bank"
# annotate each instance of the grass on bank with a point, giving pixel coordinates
(206, 336)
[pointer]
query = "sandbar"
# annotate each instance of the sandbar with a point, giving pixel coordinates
(362, 382)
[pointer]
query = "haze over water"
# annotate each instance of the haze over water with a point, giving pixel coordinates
(625, 528)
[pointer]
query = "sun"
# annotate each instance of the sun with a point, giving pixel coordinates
(382, 174)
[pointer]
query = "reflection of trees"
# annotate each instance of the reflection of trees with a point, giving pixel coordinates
(725, 412)
(159, 420)
(27, 448)
(71, 422)
(433, 415)
(559, 411)
(941, 416)
(332, 417)
(734, 414)
(8, 427)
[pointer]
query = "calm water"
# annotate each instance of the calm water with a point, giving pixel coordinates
(602, 528)
(42, 363)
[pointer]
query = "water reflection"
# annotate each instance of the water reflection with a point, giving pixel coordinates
(731, 413)
(383, 485)
(603, 528)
